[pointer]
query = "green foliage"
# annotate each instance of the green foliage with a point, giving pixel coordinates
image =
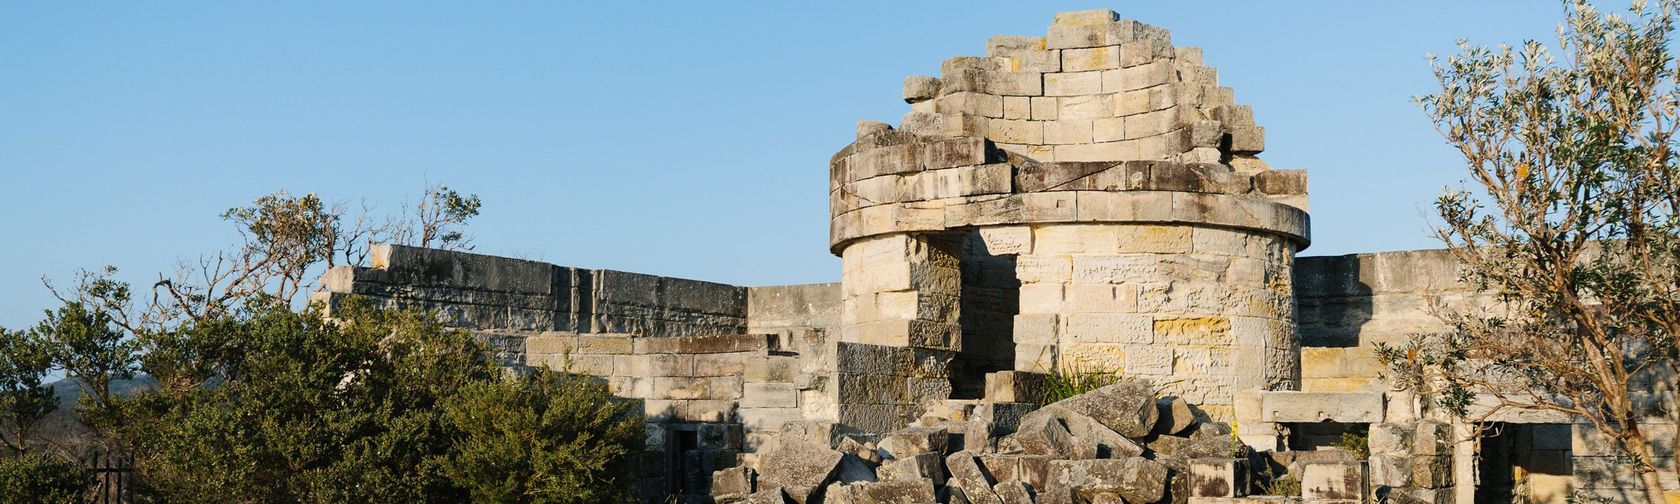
(1569, 220)
(545, 437)
(1073, 379)
(24, 399)
(1356, 442)
(1282, 486)
(27, 479)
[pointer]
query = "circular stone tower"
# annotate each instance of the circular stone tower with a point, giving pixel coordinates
(1090, 200)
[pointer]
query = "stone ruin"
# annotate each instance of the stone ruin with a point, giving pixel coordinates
(1091, 200)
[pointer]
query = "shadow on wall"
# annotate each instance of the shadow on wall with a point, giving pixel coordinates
(990, 299)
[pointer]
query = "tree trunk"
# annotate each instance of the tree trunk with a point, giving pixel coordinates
(1648, 466)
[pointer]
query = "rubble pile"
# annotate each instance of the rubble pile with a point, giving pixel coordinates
(1118, 443)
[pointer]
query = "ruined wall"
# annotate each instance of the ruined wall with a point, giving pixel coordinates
(1122, 184)
(1350, 303)
(712, 391)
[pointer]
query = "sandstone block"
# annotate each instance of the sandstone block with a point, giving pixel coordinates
(920, 88)
(770, 395)
(1017, 107)
(767, 496)
(1015, 131)
(1073, 83)
(1090, 438)
(800, 467)
(1218, 477)
(1069, 131)
(1085, 17)
(1349, 407)
(1391, 438)
(1391, 470)
(1176, 417)
(733, 484)
(912, 441)
(1094, 58)
(1013, 492)
(1103, 151)
(1014, 386)
(1134, 479)
(1044, 435)
(1044, 108)
(1334, 481)
(1127, 407)
(967, 476)
(929, 466)
(885, 492)
(1281, 182)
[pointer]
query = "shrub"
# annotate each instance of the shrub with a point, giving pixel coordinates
(33, 478)
(546, 437)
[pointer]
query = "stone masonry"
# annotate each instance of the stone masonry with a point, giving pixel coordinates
(1088, 200)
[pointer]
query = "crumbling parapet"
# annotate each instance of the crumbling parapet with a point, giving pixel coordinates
(1119, 178)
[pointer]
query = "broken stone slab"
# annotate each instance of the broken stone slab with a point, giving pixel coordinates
(1126, 407)
(854, 445)
(967, 476)
(1044, 435)
(1013, 492)
(911, 441)
(915, 467)
(1134, 479)
(853, 469)
(773, 495)
(1218, 477)
(885, 492)
(1175, 415)
(1332, 481)
(1090, 438)
(1391, 438)
(732, 485)
(801, 467)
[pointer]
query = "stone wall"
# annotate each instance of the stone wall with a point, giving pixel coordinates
(1350, 303)
(486, 292)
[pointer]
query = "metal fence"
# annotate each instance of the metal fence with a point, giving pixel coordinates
(114, 479)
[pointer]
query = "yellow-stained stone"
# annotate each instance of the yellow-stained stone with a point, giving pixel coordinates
(1156, 239)
(1321, 362)
(1194, 330)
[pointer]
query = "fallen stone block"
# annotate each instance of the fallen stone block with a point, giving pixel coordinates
(885, 492)
(800, 467)
(1333, 481)
(967, 476)
(1134, 479)
(854, 469)
(1090, 438)
(1175, 415)
(734, 484)
(1044, 435)
(1013, 492)
(767, 496)
(911, 441)
(1126, 407)
(1218, 477)
(915, 467)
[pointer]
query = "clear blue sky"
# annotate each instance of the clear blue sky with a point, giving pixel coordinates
(686, 139)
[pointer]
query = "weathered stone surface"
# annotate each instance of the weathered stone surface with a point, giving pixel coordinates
(884, 492)
(1044, 435)
(1175, 415)
(733, 484)
(1012, 492)
(912, 441)
(967, 476)
(1218, 477)
(1089, 438)
(1126, 407)
(1134, 479)
(800, 467)
(929, 466)
(1347, 407)
(773, 495)
(1334, 481)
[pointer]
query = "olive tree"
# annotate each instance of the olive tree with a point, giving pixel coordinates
(1567, 221)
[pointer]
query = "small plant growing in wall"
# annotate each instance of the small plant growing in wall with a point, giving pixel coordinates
(1355, 442)
(1073, 379)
